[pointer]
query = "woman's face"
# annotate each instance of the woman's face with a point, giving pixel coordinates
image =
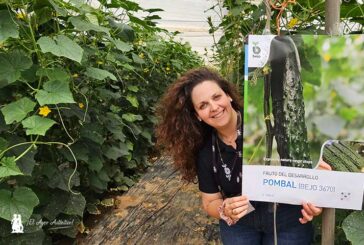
(212, 104)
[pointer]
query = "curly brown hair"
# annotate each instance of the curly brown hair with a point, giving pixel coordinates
(179, 131)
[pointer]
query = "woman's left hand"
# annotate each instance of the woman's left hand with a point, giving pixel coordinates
(308, 212)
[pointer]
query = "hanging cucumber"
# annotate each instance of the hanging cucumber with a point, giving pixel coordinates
(288, 107)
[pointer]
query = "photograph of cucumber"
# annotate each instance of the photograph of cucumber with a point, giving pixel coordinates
(309, 90)
(343, 155)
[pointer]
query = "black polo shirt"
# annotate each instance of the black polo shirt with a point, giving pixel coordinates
(206, 177)
(287, 215)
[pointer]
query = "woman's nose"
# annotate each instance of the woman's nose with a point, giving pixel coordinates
(214, 106)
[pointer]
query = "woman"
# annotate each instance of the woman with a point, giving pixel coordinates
(200, 127)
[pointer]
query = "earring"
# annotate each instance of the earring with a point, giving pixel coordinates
(231, 100)
(199, 119)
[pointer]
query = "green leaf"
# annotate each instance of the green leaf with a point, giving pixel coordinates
(133, 100)
(133, 88)
(353, 227)
(83, 25)
(57, 201)
(114, 152)
(117, 131)
(26, 163)
(8, 28)
(129, 182)
(96, 182)
(123, 31)
(18, 110)
(11, 66)
(75, 206)
(95, 163)
(21, 201)
(92, 209)
(61, 46)
(137, 59)
(8, 167)
(99, 74)
(3, 144)
(29, 75)
(122, 46)
(103, 175)
(55, 92)
(146, 134)
(80, 151)
(108, 94)
(131, 117)
(59, 178)
(93, 135)
(36, 125)
(348, 114)
(54, 74)
(43, 15)
(60, 11)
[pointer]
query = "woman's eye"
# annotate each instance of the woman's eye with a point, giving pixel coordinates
(203, 106)
(217, 97)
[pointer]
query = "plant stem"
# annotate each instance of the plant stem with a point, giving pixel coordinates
(35, 142)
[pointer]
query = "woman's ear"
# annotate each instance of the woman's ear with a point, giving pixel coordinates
(198, 118)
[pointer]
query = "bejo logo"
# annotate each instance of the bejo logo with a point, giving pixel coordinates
(256, 48)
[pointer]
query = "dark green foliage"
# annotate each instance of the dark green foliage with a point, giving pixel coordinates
(78, 89)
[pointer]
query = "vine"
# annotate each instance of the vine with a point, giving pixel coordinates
(78, 88)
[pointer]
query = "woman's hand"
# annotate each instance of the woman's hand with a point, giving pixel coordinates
(309, 211)
(236, 207)
(322, 165)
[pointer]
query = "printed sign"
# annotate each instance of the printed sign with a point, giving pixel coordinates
(301, 109)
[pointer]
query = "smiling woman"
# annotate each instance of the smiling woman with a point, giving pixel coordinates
(199, 113)
(213, 105)
(187, 115)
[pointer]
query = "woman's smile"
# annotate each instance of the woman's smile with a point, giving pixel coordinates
(218, 115)
(212, 104)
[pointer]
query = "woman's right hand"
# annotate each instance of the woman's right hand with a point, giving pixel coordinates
(236, 207)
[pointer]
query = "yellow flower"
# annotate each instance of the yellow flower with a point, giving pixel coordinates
(81, 105)
(99, 62)
(327, 57)
(266, 70)
(75, 75)
(292, 23)
(167, 68)
(44, 111)
(20, 16)
(146, 70)
(141, 55)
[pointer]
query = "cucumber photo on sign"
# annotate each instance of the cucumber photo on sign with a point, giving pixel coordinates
(344, 155)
